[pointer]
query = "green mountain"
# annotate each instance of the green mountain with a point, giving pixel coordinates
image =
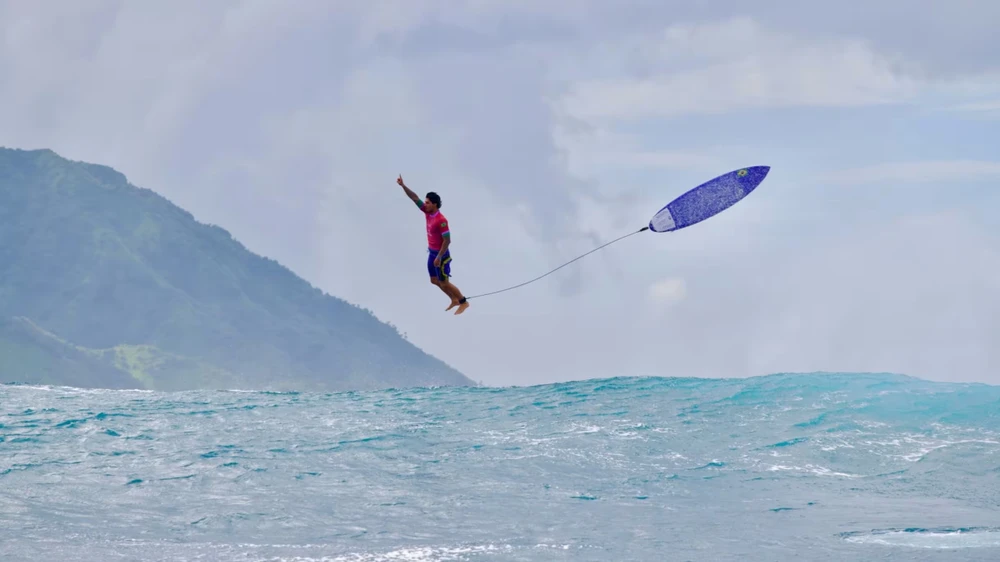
(104, 284)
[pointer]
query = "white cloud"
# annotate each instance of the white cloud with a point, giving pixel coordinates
(288, 124)
(989, 109)
(918, 295)
(926, 171)
(668, 291)
(592, 152)
(981, 106)
(737, 64)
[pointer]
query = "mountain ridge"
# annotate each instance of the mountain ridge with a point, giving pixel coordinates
(105, 265)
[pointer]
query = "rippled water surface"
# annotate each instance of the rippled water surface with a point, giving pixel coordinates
(786, 467)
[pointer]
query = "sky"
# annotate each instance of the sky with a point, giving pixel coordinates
(549, 128)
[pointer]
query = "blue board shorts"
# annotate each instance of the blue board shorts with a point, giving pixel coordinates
(440, 273)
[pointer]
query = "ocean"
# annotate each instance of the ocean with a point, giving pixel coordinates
(782, 467)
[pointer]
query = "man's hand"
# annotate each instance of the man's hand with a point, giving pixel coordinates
(409, 192)
(442, 251)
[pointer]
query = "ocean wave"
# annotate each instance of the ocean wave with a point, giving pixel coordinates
(622, 467)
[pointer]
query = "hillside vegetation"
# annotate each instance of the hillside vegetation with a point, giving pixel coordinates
(106, 284)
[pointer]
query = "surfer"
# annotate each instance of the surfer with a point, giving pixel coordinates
(438, 242)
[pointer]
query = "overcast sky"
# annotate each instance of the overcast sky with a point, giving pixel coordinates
(549, 127)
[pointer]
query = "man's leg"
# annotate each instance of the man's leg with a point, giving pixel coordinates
(443, 285)
(441, 278)
(437, 277)
(457, 298)
(432, 270)
(449, 290)
(453, 292)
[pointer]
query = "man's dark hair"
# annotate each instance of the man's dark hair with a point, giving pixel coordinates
(435, 198)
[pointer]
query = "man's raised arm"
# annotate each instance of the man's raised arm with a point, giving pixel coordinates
(409, 192)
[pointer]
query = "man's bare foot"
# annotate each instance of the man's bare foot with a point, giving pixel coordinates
(462, 307)
(454, 303)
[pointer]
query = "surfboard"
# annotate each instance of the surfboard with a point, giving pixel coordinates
(708, 199)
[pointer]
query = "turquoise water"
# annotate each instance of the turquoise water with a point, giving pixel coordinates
(784, 467)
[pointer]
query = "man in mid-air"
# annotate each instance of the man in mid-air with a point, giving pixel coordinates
(438, 241)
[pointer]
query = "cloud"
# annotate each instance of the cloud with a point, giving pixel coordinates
(989, 109)
(917, 295)
(668, 291)
(595, 151)
(926, 171)
(550, 128)
(738, 64)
